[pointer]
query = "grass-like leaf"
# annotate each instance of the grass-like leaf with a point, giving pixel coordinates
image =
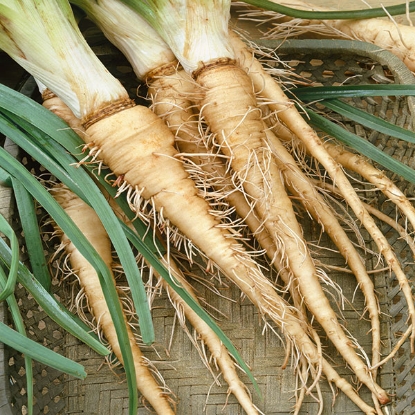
(369, 120)
(328, 15)
(16, 170)
(9, 286)
(40, 353)
(66, 172)
(27, 214)
(44, 127)
(317, 93)
(56, 311)
(20, 328)
(361, 145)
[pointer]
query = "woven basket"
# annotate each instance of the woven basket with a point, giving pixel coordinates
(104, 391)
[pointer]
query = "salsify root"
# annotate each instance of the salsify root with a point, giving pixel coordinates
(144, 147)
(240, 131)
(208, 336)
(171, 100)
(248, 157)
(263, 295)
(170, 96)
(176, 108)
(300, 186)
(90, 225)
(218, 350)
(267, 87)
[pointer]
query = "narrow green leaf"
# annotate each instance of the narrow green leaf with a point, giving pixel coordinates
(362, 146)
(10, 285)
(40, 353)
(19, 325)
(62, 157)
(89, 192)
(328, 15)
(34, 116)
(63, 221)
(34, 245)
(318, 93)
(369, 120)
(57, 312)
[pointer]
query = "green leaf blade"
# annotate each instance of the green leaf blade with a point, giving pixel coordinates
(9, 286)
(40, 353)
(317, 93)
(73, 233)
(334, 15)
(370, 121)
(53, 128)
(31, 231)
(49, 304)
(19, 325)
(362, 146)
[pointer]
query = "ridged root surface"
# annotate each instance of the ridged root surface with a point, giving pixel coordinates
(140, 149)
(90, 225)
(228, 104)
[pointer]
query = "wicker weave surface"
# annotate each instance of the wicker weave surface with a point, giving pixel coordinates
(104, 392)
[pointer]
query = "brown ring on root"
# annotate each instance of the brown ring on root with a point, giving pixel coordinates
(113, 108)
(217, 62)
(161, 71)
(48, 94)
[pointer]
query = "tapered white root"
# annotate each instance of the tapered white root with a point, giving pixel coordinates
(170, 98)
(259, 290)
(287, 113)
(208, 336)
(306, 191)
(240, 129)
(90, 225)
